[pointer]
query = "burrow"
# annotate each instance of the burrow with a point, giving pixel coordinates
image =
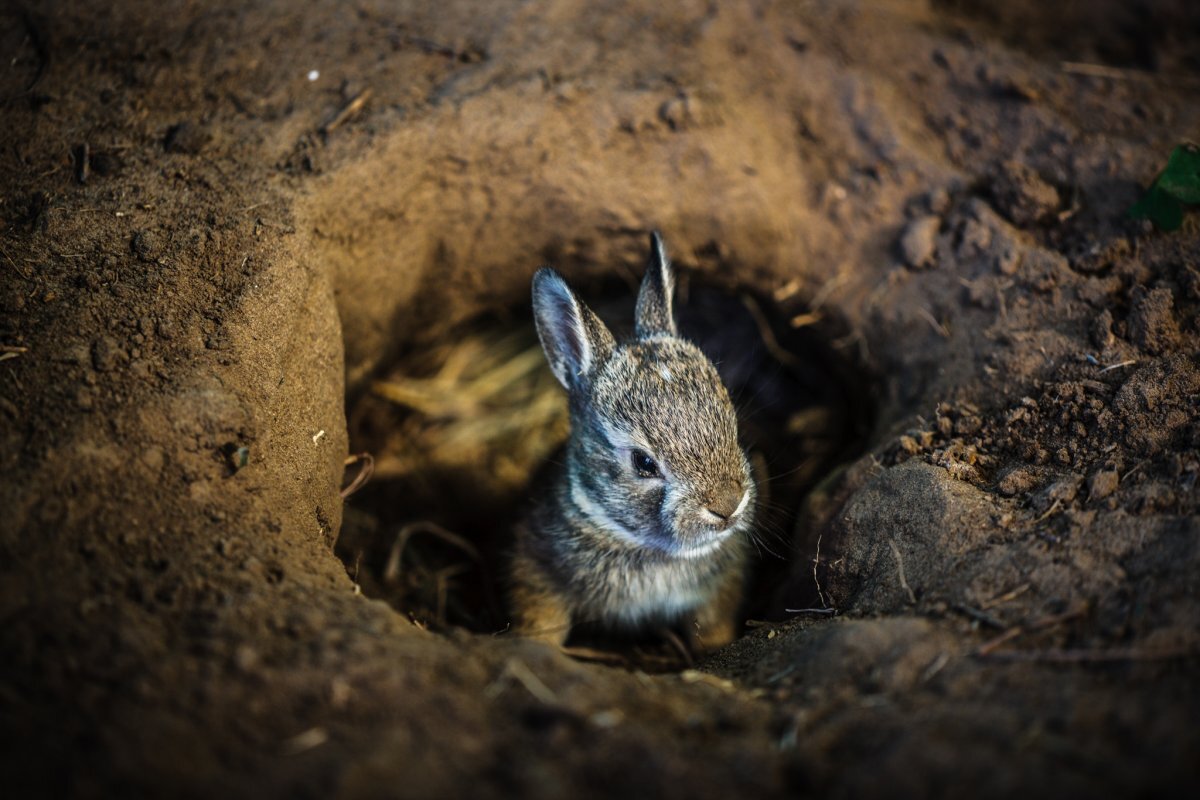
(460, 419)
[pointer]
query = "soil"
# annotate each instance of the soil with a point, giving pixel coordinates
(221, 224)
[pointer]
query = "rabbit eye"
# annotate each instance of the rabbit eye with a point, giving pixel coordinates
(644, 465)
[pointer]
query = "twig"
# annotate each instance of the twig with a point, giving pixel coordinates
(1135, 468)
(20, 271)
(1100, 71)
(677, 643)
(783, 673)
(391, 569)
(347, 111)
(768, 336)
(937, 326)
(313, 737)
(516, 669)
(809, 318)
(1118, 365)
(364, 474)
(1004, 598)
(8, 351)
(912, 598)
(1020, 630)
(787, 291)
(935, 667)
(821, 611)
(979, 616)
(1053, 507)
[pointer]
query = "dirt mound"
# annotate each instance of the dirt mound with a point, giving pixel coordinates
(220, 226)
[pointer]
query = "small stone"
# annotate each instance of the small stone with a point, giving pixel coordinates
(1022, 195)
(945, 426)
(1100, 330)
(1008, 259)
(1064, 490)
(145, 245)
(245, 658)
(153, 458)
(83, 399)
(104, 354)
(967, 425)
(1102, 484)
(675, 112)
(918, 243)
(1152, 325)
(939, 200)
(1015, 481)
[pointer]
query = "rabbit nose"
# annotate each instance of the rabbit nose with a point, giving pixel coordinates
(725, 500)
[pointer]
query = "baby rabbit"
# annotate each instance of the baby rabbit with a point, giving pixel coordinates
(645, 522)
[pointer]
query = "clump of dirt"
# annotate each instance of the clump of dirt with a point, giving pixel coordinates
(220, 226)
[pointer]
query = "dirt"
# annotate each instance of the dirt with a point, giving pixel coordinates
(221, 224)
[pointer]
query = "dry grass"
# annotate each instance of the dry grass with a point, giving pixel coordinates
(490, 406)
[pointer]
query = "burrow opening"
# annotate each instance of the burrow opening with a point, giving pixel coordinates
(462, 431)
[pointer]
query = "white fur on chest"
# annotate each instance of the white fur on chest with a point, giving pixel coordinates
(650, 592)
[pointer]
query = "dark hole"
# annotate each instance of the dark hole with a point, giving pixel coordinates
(428, 534)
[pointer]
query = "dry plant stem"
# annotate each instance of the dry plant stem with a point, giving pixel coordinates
(979, 616)
(988, 647)
(1004, 598)
(912, 597)
(391, 570)
(364, 474)
(347, 111)
(938, 327)
(768, 336)
(678, 645)
(816, 579)
(13, 264)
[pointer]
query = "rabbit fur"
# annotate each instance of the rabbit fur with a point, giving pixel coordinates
(645, 523)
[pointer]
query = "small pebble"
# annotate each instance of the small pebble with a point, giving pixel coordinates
(918, 243)
(1103, 484)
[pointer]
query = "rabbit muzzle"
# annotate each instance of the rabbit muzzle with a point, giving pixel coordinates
(725, 502)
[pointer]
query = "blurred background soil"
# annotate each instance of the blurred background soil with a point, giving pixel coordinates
(226, 229)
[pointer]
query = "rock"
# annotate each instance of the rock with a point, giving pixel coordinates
(1102, 484)
(1017, 480)
(105, 354)
(918, 243)
(145, 245)
(1021, 194)
(1059, 494)
(1152, 325)
(1100, 330)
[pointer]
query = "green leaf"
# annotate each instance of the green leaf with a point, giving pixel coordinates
(1181, 178)
(1160, 208)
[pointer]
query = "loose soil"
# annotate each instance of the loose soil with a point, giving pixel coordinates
(223, 225)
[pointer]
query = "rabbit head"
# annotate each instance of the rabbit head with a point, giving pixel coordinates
(653, 459)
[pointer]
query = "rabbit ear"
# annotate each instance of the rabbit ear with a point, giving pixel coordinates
(654, 311)
(576, 342)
